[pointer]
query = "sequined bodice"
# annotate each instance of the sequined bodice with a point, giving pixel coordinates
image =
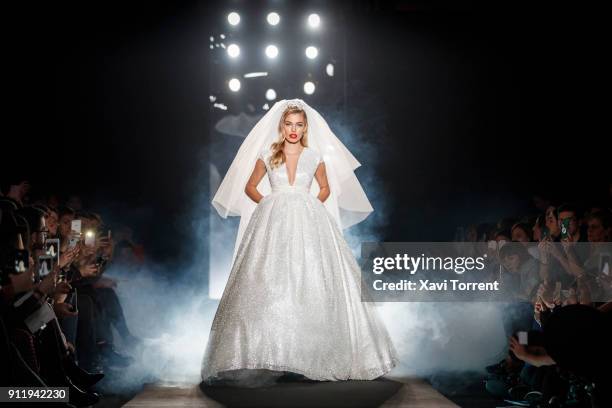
(307, 164)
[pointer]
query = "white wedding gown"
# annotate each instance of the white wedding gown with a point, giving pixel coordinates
(292, 302)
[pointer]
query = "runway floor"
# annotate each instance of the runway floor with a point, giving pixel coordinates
(388, 392)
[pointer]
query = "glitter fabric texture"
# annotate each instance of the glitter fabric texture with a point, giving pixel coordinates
(292, 302)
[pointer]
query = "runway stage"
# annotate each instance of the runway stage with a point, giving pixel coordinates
(390, 392)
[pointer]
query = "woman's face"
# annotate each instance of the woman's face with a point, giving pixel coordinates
(293, 127)
(52, 223)
(471, 234)
(537, 232)
(596, 232)
(512, 262)
(519, 235)
(551, 221)
(502, 238)
(65, 225)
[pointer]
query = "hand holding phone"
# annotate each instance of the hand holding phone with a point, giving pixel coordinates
(565, 224)
(47, 285)
(88, 271)
(66, 257)
(22, 282)
(64, 310)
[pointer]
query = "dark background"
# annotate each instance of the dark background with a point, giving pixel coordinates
(477, 107)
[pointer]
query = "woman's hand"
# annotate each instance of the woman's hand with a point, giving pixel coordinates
(64, 310)
(519, 350)
(67, 256)
(251, 186)
(566, 243)
(22, 282)
(88, 270)
(47, 284)
(543, 249)
(70, 347)
(62, 288)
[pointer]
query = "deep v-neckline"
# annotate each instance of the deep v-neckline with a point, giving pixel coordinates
(297, 167)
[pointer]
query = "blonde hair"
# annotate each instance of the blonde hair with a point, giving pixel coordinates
(277, 157)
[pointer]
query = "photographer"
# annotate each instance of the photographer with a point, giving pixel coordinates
(98, 294)
(577, 339)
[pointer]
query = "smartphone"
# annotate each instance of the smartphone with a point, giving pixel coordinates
(604, 263)
(75, 228)
(52, 246)
(565, 228)
(46, 264)
(522, 337)
(21, 260)
(90, 238)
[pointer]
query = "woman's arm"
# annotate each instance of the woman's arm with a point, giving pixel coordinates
(251, 186)
(321, 176)
(538, 357)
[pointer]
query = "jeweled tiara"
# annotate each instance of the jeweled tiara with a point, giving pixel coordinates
(294, 103)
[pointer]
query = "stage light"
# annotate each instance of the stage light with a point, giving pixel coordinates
(270, 94)
(255, 74)
(309, 88)
(330, 69)
(273, 18)
(312, 52)
(233, 50)
(271, 51)
(314, 20)
(234, 84)
(233, 18)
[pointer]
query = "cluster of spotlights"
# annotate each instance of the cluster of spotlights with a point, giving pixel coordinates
(273, 18)
(272, 52)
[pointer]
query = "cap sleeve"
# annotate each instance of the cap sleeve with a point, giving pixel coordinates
(262, 154)
(319, 158)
